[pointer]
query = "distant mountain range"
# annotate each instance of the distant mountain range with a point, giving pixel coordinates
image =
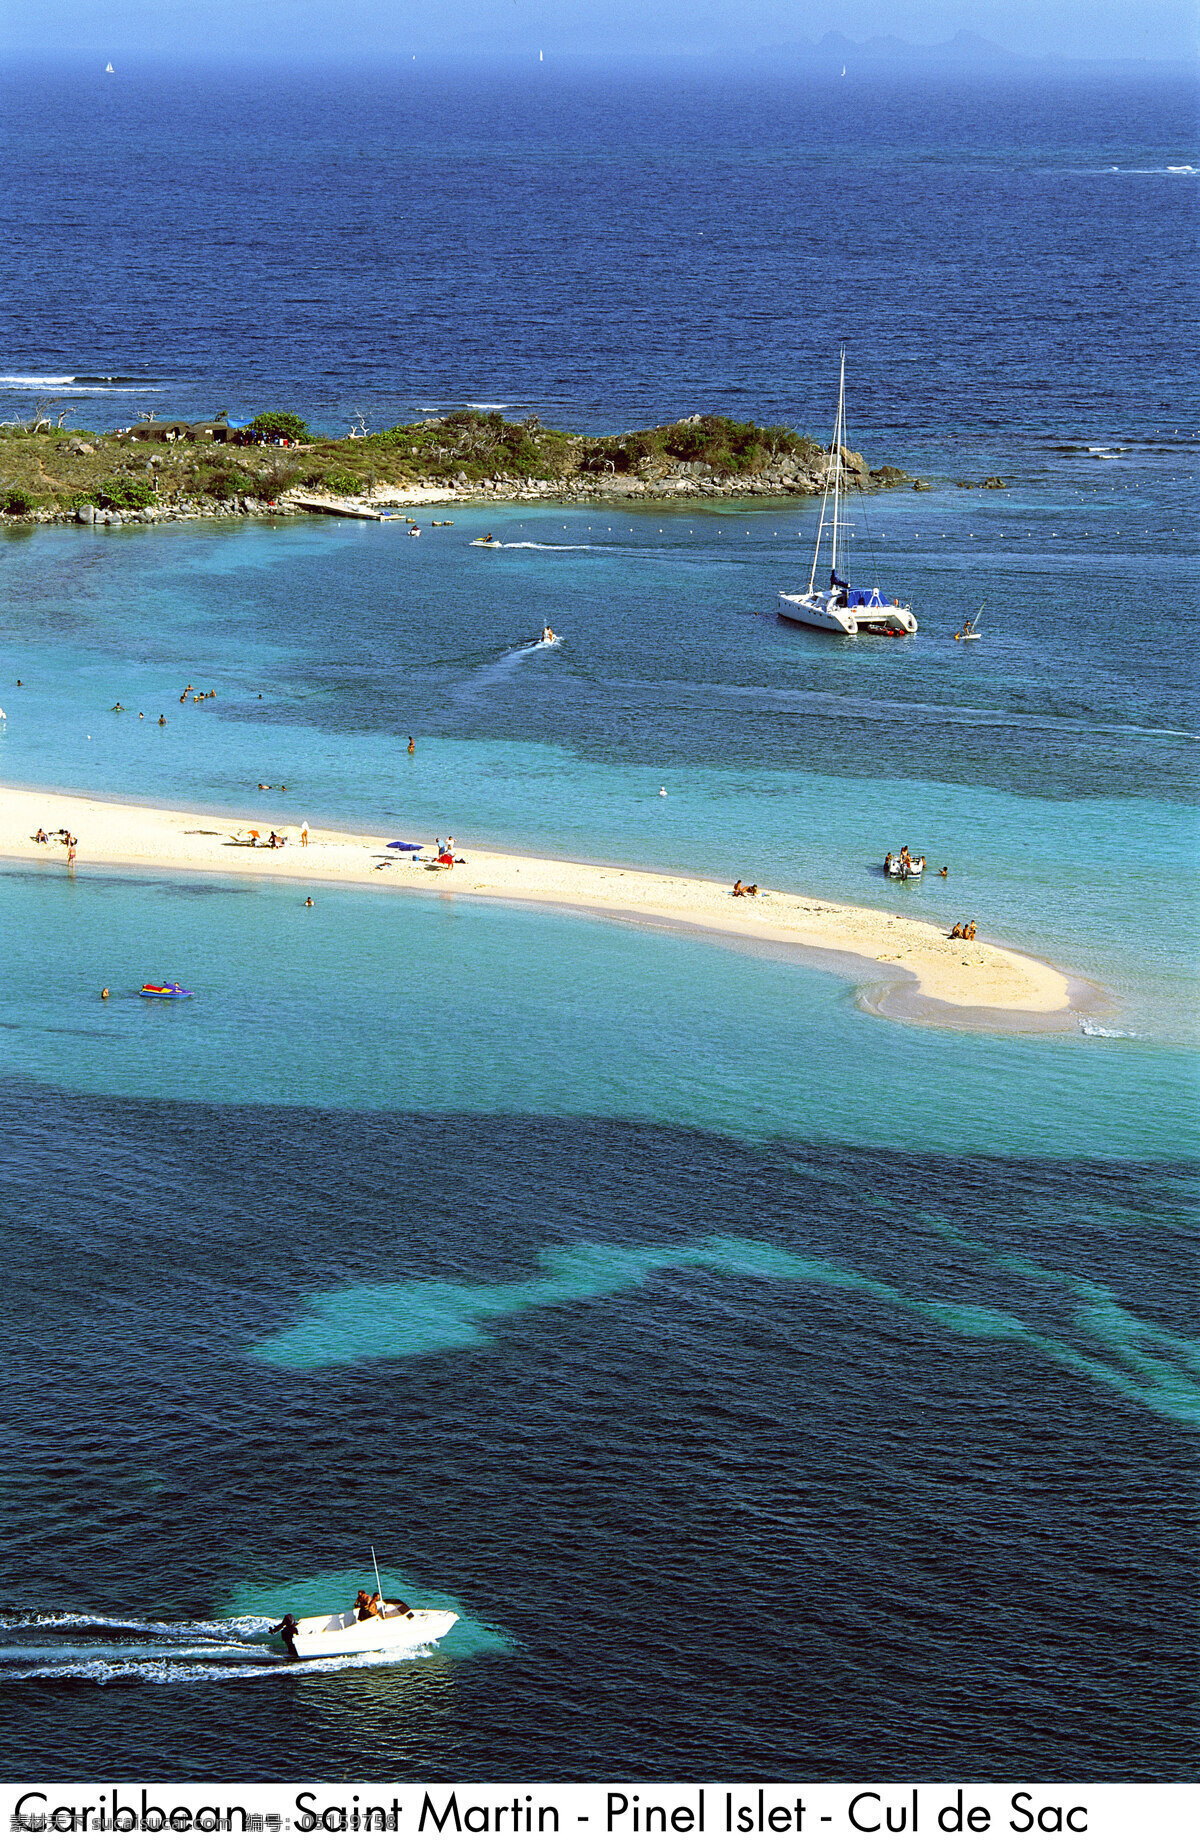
(966, 51)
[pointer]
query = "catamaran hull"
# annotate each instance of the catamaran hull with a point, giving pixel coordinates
(812, 613)
(327, 1637)
(821, 612)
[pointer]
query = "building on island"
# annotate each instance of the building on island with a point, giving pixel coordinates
(175, 429)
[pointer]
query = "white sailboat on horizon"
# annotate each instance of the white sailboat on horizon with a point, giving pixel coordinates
(841, 608)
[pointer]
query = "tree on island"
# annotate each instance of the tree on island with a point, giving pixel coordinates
(281, 423)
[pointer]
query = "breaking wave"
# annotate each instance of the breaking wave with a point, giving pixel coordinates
(37, 381)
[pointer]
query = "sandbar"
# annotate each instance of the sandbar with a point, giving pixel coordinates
(913, 963)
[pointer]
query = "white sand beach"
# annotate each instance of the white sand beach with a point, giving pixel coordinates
(938, 980)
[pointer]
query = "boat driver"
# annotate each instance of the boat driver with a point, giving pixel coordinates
(366, 1606)
(288, 1628)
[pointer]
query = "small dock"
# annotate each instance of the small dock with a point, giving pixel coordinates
(341, 509)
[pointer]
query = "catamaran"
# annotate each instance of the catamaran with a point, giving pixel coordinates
(843, 609)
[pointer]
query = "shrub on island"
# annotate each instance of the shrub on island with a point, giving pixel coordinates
(716, 443)
(280, 423)
(479, 444)
(224, 479)
(118, 496)
(337, 480)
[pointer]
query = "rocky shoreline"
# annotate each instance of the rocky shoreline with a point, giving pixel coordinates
(154, 474)
(692, 481)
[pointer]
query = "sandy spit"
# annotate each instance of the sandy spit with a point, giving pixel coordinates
(978, 983)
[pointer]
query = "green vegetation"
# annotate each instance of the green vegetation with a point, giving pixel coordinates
(122, 496)
(715, 443)
(480, 444)
(281, 423)
(221, 477)
(337, 480)
(45, 469)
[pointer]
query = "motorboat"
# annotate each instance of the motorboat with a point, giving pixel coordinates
(548, 638)
(489, 543)
(842, 608)
(166, 990)
(375, 1625)
(899, 865)
(394, 1629)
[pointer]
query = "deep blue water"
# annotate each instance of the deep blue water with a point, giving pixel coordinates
(1005, 259)
(775, 1390)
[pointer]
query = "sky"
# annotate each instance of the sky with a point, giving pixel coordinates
(346, 30)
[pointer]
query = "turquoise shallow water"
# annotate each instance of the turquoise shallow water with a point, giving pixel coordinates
(375, 1001)
(1046, 765)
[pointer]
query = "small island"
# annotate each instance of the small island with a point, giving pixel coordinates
(167, 469)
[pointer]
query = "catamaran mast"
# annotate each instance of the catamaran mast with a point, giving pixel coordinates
(838, 429)
(837, 460)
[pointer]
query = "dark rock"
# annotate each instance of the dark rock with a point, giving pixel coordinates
(922, 487)
(994, 480)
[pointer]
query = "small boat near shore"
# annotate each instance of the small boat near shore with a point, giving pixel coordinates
(842, 608)
(900, 865)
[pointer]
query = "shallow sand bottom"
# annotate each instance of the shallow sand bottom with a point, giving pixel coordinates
(926, 978)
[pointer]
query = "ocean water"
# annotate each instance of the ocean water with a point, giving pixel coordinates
(773, 1389)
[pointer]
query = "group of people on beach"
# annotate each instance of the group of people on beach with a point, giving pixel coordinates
(61, 836)
(741, 890)
(963, 932)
